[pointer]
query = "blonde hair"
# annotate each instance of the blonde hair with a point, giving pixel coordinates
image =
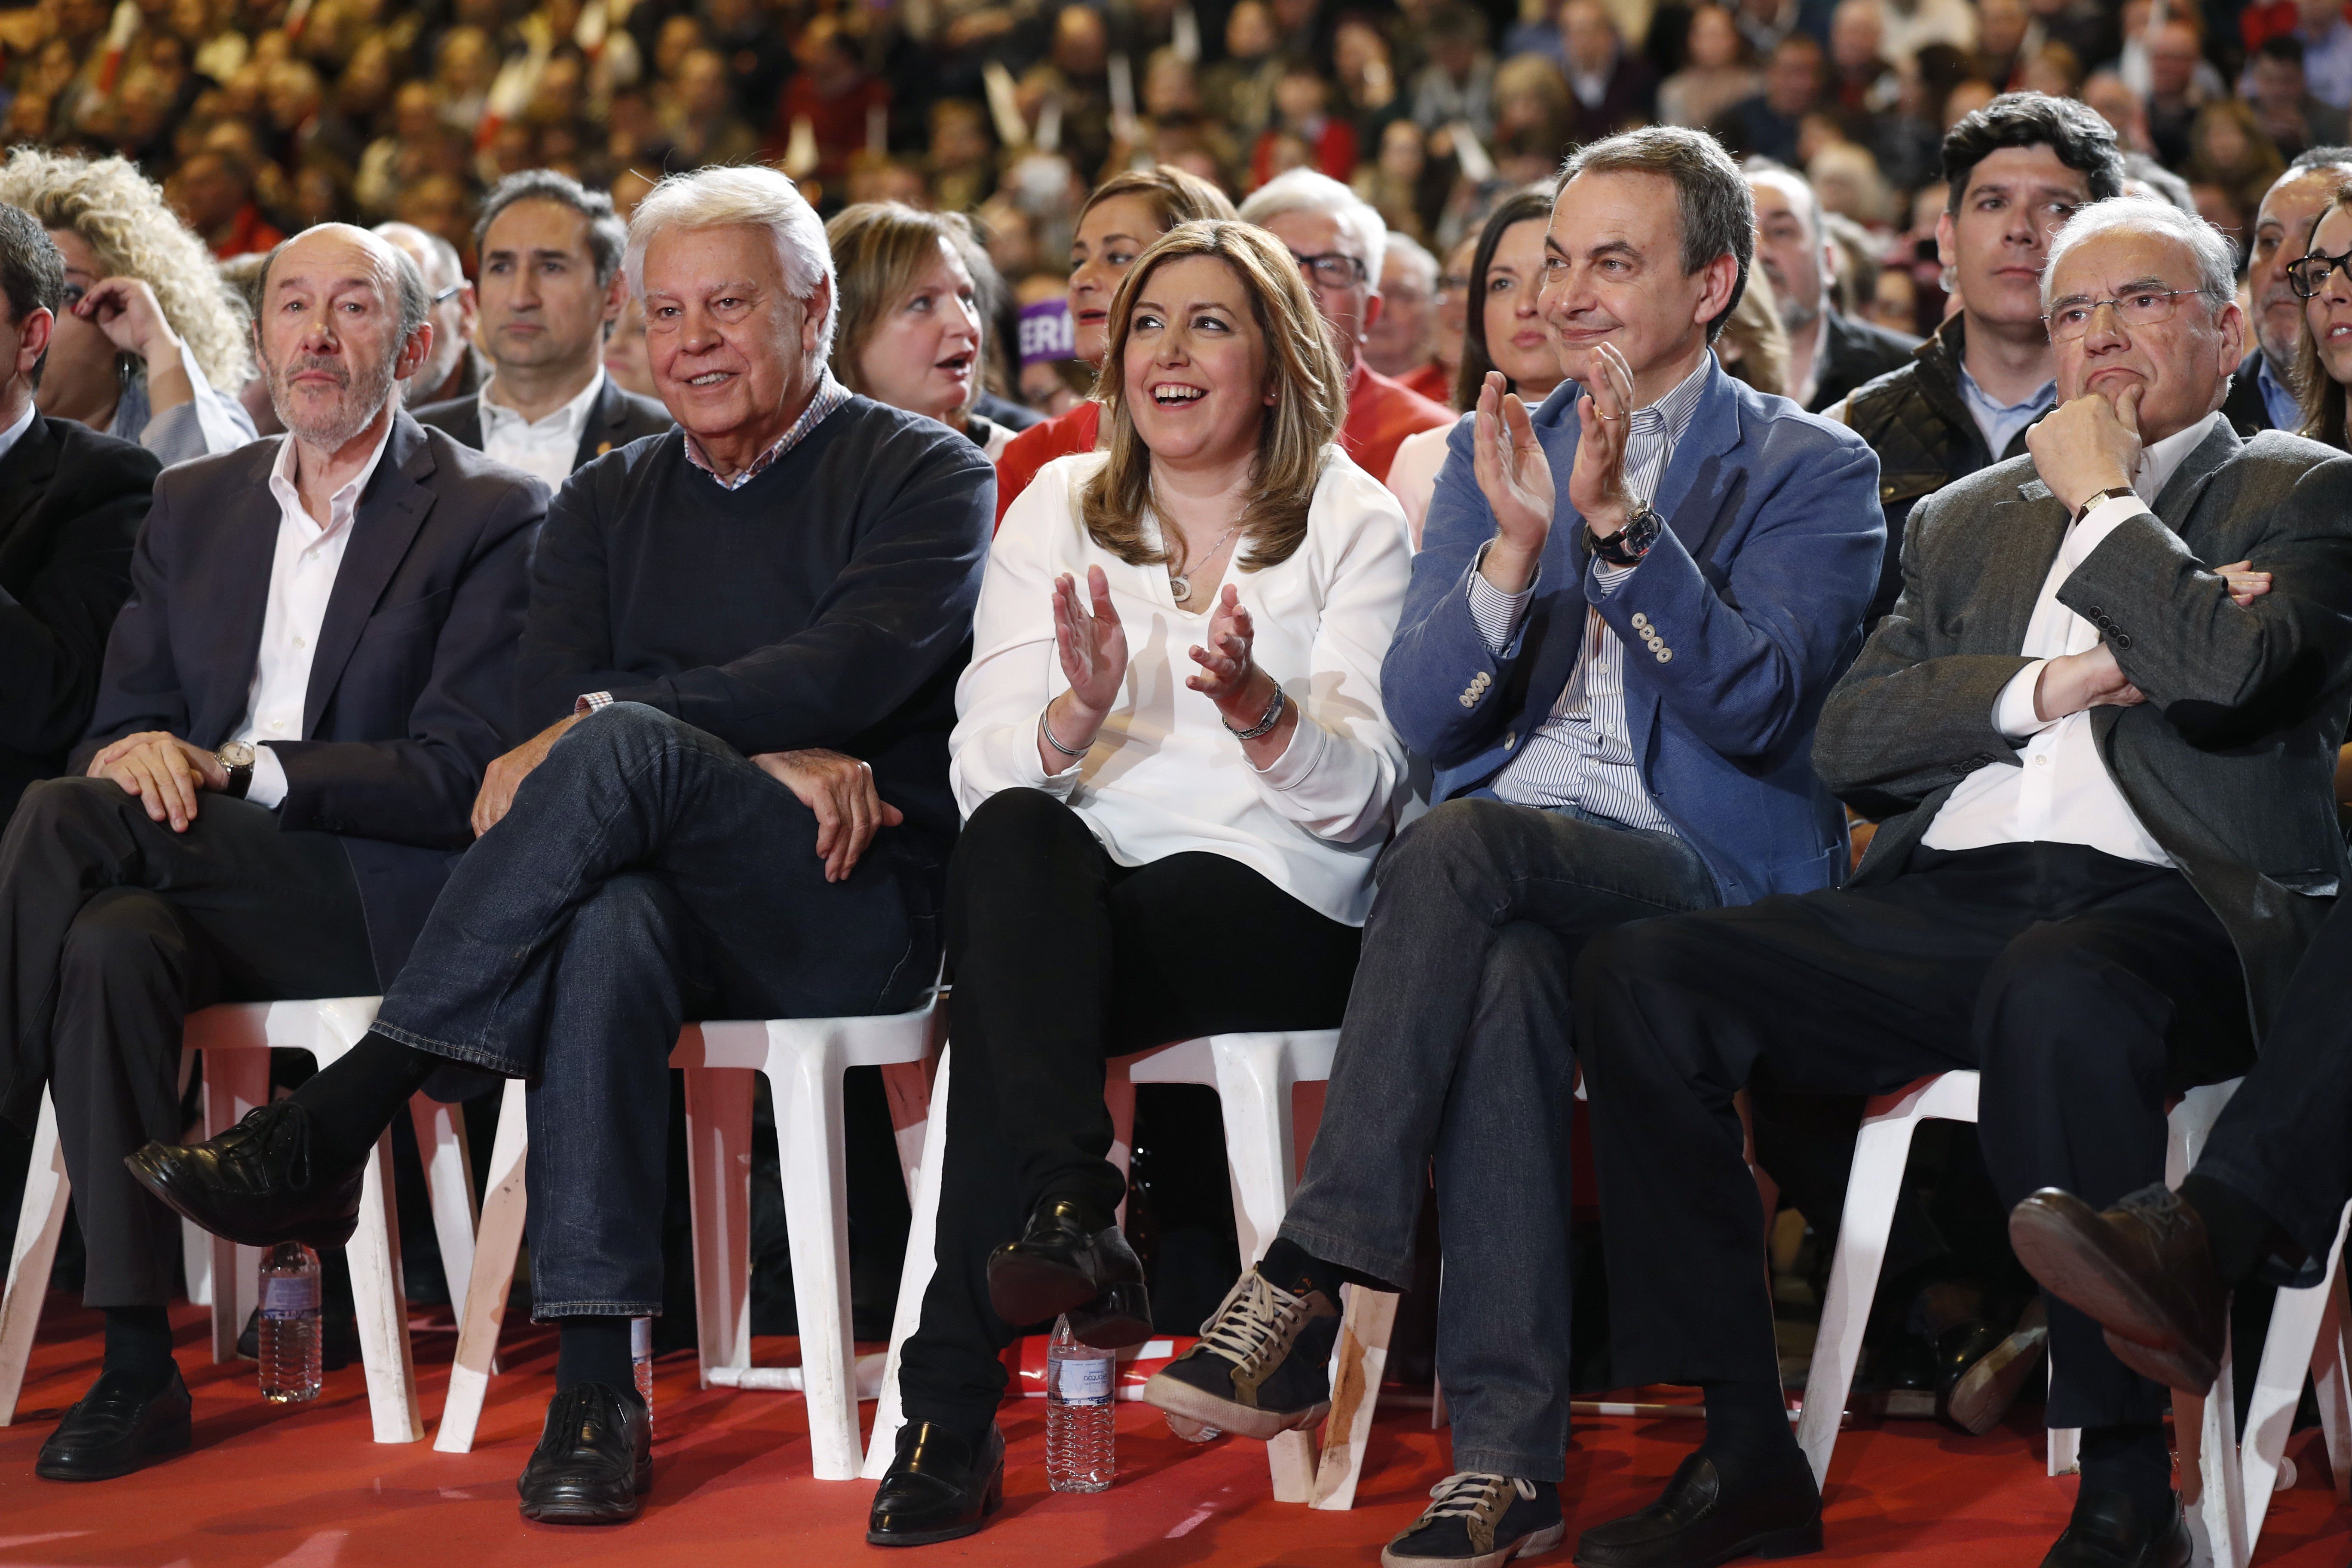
(121, 215)
(1309, 385)
(880, 250)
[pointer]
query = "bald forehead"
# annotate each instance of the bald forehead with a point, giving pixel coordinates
(1794, 191)
(333, 254)
(2304, 191)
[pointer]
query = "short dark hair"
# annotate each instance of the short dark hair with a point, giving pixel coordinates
(1717, 209)
(32, 271)
(2074, 131)
(2281, 47)
(608, 237)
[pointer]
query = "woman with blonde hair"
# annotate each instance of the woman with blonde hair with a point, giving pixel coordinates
(152, 344)
(910, 322)
(1176, 773)
(1122, 216)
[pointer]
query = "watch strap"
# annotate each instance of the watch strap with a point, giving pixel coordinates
(2113, 492)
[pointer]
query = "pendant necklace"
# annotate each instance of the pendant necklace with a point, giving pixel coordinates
(1180, 584)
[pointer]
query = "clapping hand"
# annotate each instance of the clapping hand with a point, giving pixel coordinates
(1092, 644)
(1596, 485)
(1227, 677)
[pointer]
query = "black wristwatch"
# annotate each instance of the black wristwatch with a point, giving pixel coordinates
(237, 760)
(1630, 543)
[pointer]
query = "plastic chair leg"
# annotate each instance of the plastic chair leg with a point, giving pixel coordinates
(496, 1244)
(235, 1083)
(448, 1186)
(373, 1253)
(2333, 1385)
(908, 1087)
(719, 1171)
(809, 1134)
(2289, 1352)
(1362, 1358)
(39, 1220)
(1880, 1152)
(914, 1275)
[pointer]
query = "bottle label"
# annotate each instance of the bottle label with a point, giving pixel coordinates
(289, 1296)
(1083, 1381)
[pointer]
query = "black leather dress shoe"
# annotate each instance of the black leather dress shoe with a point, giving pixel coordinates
(1985, 1369)
(119, 1425)
(593, 1461)
(1073, 1259)
(1694, 1525)
(2143, 1270)
(2108, 1531)
(938, 1487)
(256, 1185)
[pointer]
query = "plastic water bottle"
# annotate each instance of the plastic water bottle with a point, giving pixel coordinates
(641, 1355)
(1081, 1431)
(289, 1334)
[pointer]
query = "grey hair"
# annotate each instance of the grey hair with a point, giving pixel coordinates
(447, 263)
(752, 196)
(2216, 257)
(1403, 248)
(1717, 209)
(1304, 191)
(607, 235)
(407, 282)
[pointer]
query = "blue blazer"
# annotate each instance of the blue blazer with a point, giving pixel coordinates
(1756, 593)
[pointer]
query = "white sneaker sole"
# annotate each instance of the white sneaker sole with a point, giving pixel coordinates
(1180, 1398)
(1525, 1546)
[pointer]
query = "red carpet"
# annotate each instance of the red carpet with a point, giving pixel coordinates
(306, 1489)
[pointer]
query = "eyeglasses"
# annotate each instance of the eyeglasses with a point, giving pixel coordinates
(2307, 275)
(447, 294)
(2140, 308)
(1333, 269)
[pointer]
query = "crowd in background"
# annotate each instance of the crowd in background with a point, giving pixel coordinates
(260, 117)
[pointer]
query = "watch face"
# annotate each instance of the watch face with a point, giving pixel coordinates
(235, 754)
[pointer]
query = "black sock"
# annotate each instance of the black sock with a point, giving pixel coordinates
(138, 1341)
(2132, 1460)
(594, 1350)
(1299, 1271)
(2241, 1234)
(351, 1101)
(1748, 1433)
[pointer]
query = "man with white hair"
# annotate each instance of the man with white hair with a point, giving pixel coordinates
(315, 667)
(455, 367)
(1340, 243)
(743, 643)
(1830, 353)
(1401, 344)
(2102, 765)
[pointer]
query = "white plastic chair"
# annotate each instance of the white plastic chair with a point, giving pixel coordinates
(802, 1059)
(1880, 1152)
(1253, 1075)
(235, 1040)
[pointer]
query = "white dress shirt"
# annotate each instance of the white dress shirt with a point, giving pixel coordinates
(1164, 776)
(15, 433)
(541, 447)
(301, 578)
(2063, 793)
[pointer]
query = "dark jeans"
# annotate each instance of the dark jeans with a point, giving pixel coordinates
(1458, 1049)
(112, 930)
(2284, 1141)
(2084, 988)
(648, 874)
(1062, 957)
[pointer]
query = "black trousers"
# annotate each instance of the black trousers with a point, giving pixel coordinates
(2284, 1141)
(2085, 989)
(1061, 957)
(112, 930)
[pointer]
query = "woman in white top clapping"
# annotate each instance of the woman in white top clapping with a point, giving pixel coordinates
(1176, 771)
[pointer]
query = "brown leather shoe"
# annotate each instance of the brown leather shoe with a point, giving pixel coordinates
(2142, 1271)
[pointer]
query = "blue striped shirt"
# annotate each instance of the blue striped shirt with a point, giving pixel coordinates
(1582, 755)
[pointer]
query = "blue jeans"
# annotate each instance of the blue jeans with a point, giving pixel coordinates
(1456, 1050)
(648, 874)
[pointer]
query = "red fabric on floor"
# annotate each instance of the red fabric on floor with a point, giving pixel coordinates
(305, 1488)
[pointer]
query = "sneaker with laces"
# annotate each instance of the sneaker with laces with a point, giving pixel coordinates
(1261, 1367)
(1478, 1521)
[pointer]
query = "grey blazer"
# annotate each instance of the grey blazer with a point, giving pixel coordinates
(2230, 764)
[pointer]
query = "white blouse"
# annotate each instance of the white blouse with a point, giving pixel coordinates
(1164, 776)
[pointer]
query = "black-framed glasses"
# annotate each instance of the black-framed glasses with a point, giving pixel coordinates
(2138, 308)
(447, 294)
(2307, 275)
(1332, 268)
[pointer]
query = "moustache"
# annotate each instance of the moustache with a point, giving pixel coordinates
(314, 361)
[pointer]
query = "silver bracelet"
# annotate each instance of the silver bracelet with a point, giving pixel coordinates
(1266, 720)
(1047, 730)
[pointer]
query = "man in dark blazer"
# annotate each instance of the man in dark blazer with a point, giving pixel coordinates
(1626, 613)
(1830, 353)
(315, 667)
(70, 504)
(551, 289)
(2104, 765)
(2261, 394)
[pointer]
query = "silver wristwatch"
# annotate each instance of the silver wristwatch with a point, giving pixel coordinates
(237, 760)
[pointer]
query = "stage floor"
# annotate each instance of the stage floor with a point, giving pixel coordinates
(305, 1488)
